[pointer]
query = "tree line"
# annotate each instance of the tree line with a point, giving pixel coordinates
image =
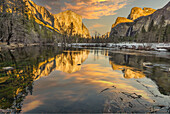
(18, 25)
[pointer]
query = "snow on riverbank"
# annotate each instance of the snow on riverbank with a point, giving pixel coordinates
(127, 45)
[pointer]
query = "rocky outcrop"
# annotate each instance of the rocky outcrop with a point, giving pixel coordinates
(137, 12)
(59, 22)
(133, 28)
(65, 19)
(121, 20)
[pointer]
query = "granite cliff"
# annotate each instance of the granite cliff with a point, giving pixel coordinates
(121, 20)
(137, 12)
(60, 22)
(143, 23)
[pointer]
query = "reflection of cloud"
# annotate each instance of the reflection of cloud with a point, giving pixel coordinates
(94, 9)
(80, 88)
(32, 105)
(102, 77)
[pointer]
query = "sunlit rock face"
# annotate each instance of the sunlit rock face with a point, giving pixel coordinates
(58, 22)
(66, 18)
(68, 62)
(121, 20)
(137, 12)
(144, 18)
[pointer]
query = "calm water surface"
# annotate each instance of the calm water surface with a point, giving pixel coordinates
(51, 79)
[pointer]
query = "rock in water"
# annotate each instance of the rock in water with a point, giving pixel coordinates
(8, 68)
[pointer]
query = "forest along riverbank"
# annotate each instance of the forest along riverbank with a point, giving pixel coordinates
(12, 46)
(160, 47)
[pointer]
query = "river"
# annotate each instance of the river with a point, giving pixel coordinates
(97, 80)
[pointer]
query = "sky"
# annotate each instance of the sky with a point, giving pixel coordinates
(99, 15)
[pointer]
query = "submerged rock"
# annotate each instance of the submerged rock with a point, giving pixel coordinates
(147, 64)
(8, 68)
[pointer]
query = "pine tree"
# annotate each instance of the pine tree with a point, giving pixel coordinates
(71, 29)
(151, 26)
(143, 30)
(162, 23)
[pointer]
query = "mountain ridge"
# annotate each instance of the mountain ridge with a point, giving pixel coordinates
(43, 16)
(150, 23)
(136, 12)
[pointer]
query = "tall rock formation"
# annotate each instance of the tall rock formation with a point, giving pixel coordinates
(137, 12)
(64, 20)
(134, 28)
(61, 22)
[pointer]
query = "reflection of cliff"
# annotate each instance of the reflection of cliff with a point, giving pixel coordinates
(68, 62)
(28, 66)
(129, 63)
(128, 71)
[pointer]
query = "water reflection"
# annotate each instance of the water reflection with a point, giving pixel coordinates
(68, 61)
(128, 71)
(29, 65)
(133, 63)
(56, 80)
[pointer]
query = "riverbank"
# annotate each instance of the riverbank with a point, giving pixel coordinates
(160, 47)
(12, 46)
(135, 46)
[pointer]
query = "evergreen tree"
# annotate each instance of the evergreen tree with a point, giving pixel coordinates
(151, 26)
(162, 23)
(143, 30)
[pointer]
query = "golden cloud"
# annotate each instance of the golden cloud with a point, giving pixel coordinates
(48, 7)
(94, 9)
(96, 26)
